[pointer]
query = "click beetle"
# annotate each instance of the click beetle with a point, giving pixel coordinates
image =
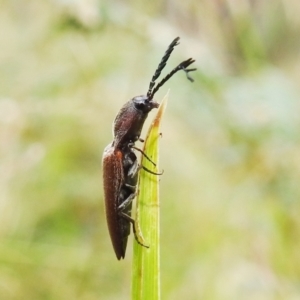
(119, 161)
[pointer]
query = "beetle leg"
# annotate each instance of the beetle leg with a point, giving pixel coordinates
(141, 151)
(126, 203)
(136, 231)
(131, 187)
(136, 167)
(133, 169)
(151, 172)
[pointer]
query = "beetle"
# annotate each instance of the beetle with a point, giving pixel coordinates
(119, 161)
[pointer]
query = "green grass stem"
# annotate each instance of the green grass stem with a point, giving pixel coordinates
(146, 261)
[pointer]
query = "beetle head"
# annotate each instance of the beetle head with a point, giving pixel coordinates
(129, 121)
(144, 104)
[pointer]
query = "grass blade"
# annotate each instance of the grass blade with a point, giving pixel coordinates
(146, 261)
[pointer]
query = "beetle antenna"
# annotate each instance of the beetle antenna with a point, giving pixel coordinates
(182, 66)
(162, 64)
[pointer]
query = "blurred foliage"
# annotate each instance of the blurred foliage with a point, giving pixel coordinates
(230, 146)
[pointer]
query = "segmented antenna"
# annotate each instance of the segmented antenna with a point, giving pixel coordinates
(182, 66)
(161, 65)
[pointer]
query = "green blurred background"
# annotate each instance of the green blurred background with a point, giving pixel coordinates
(230, 148)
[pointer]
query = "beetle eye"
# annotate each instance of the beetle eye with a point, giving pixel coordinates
(140, 105)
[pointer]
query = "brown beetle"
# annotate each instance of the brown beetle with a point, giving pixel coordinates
(120, 165)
